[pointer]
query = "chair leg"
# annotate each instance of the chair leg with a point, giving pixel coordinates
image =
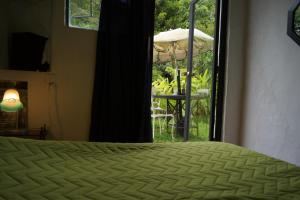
(153, 126)
(166, 122)
(159, 126)
(173, 124)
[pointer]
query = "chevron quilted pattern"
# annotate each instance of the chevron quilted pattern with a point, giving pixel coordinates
(48, 170)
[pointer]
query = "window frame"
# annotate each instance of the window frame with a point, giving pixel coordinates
(67, 18)
(219, 71)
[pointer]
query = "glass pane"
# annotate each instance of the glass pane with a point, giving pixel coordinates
(202, 70)
(84, 13)
(169, 69)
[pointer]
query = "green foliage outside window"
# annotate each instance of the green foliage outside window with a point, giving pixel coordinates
(172, 14)
(84, 13)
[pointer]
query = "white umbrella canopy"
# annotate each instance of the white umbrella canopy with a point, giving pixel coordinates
(173, 44)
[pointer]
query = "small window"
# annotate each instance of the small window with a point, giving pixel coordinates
(83, 13)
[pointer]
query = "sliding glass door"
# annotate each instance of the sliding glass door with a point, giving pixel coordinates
(170, 120)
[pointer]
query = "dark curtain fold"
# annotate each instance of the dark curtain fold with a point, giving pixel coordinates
(122, 86)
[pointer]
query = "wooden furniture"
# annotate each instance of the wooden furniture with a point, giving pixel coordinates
(35, 133)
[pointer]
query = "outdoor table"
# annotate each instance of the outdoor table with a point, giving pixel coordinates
(178, 106)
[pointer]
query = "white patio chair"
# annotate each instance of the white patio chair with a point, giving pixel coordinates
(161, 114)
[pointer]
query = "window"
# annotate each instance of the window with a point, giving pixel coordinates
(83, 13)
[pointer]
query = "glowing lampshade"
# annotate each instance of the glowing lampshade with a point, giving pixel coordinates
(11, 101)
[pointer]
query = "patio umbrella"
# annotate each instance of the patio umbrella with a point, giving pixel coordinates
(172, 46)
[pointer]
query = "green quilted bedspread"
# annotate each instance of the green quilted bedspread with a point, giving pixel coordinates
(201, 170)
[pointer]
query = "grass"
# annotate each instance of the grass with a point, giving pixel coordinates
(200, 134)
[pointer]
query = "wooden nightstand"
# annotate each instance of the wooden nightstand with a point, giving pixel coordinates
(38, 133)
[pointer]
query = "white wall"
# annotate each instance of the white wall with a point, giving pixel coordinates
(271, 111)
(24, 16)
(30, 16)
(237, 16)
(73, 62)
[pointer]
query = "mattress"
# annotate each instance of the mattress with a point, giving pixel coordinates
(31, 169)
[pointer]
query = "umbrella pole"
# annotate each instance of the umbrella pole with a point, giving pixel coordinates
(179, 117)
(174, 63)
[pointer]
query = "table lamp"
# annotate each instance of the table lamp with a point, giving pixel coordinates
(11, 101)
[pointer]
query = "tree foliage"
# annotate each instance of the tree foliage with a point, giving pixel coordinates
(172, 14)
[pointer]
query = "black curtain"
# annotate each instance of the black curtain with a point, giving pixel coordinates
(122, 87)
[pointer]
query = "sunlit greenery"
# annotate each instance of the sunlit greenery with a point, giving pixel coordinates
(172, 14)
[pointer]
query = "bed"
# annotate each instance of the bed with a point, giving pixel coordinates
(32, 169)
